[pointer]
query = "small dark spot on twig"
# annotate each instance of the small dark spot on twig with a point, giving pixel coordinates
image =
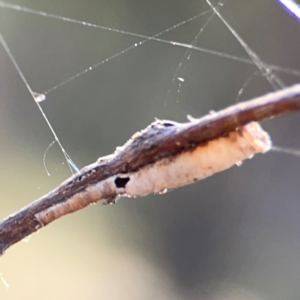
(25, 230)
(168, 124)
(2, 247)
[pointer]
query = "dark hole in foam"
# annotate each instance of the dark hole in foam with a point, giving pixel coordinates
(121, 182)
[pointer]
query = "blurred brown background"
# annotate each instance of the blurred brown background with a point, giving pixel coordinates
(232, 236)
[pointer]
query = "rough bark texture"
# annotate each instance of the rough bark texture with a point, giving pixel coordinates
(161, 139)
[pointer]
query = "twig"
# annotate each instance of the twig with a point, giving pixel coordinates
(164, 155)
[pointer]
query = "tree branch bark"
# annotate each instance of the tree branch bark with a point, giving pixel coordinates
(161, 141)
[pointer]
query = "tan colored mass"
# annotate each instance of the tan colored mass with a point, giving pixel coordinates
(203, 161)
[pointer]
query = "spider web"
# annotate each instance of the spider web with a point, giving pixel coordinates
(102, 83)
(270, 73)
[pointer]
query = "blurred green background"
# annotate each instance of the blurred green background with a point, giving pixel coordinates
(232, 236)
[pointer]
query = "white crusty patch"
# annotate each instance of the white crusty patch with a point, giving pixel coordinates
(188, 167)
(203, 161)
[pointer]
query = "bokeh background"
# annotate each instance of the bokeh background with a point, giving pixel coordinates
(232, 236)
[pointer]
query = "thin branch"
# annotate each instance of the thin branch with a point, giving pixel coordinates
(164, 155)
